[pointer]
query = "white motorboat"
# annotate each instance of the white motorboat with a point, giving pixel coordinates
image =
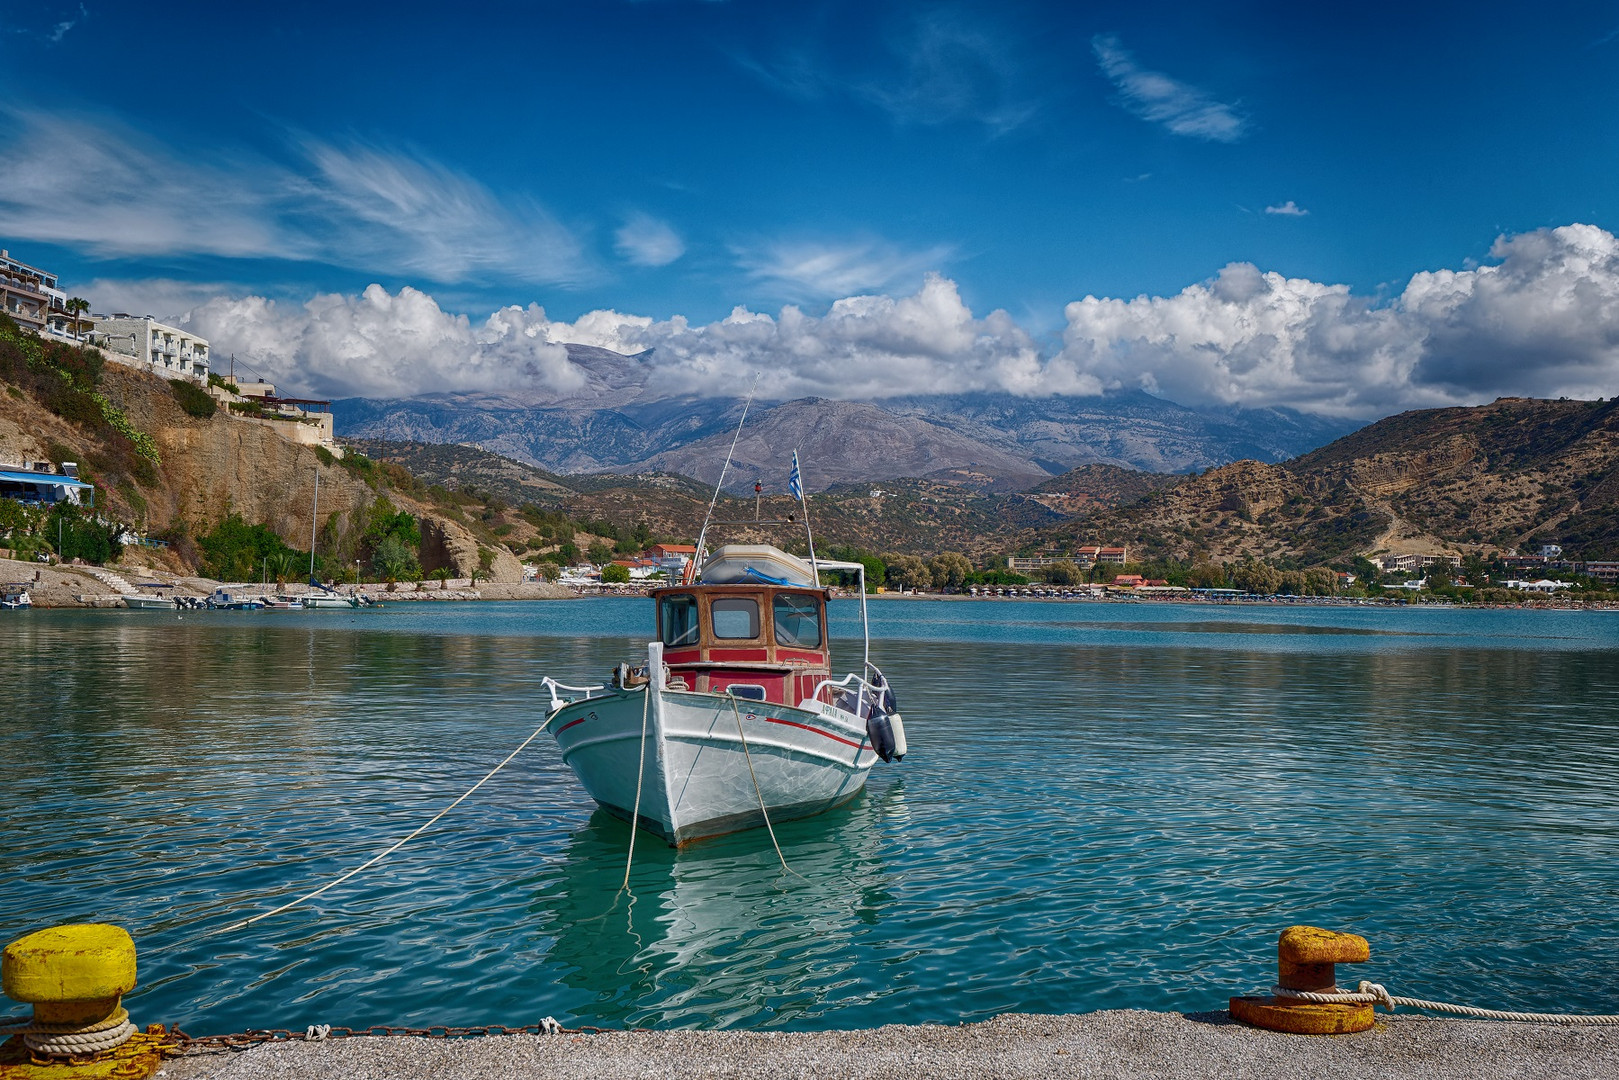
(735, 720)
(14, 597)
(148, 602)
(329, 600)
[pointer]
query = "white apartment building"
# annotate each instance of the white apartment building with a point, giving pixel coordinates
(167, 350)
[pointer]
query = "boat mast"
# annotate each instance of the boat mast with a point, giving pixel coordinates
(314, 517)
(697, 556)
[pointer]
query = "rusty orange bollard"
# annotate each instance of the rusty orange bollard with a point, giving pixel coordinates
(1305, 959)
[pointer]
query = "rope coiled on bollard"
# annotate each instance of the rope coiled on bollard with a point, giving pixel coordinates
(64, 1040)
(1368, 992)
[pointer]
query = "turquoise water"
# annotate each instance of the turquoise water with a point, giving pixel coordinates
(1105, 806)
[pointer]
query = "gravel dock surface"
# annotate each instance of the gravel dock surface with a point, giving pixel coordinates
(1121, 1043)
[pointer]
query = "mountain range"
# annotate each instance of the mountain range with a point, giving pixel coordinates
(617, 421)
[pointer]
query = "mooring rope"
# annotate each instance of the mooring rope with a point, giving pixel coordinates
(383, 855)
(761, 795)
(640, 769)
(1375, 994)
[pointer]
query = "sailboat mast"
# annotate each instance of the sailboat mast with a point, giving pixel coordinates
(314, 518)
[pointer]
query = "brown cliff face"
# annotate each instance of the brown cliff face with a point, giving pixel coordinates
(216, 466)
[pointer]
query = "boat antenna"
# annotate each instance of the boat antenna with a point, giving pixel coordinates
(702, 533)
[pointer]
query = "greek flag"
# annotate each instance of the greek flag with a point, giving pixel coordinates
(795, 483)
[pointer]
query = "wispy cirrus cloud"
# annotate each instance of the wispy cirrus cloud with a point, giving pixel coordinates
(814, 270)
(99, 186)
(1181, 108)
(939, 69)
(646, 241)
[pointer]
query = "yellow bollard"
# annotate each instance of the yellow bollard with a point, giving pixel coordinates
(1305, 959)
(75, 977)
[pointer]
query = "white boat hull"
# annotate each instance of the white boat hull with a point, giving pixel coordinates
(330, 602)
(149, 603)
(696, 781)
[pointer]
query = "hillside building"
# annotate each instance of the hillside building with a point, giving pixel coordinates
(27, 293)
(1408, 563)
(36, 483)
(1082, 557)
(1606, 572)
(166, 350)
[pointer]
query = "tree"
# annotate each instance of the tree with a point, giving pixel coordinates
(443, 575)
(74, 306)
(1256, 577)
(1064, 572)
(615, 574)
(282, 566)
(550, 571)
(600, 553)
(392, 560)
(950, 570)
(908, 572)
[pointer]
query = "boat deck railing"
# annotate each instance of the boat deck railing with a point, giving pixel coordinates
(557, 701)
(867, 692)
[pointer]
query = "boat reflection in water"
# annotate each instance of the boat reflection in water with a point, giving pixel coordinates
(717, 934)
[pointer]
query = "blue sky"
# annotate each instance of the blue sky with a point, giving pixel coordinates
(660, 164)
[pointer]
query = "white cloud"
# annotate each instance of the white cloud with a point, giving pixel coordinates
(398, 345)
(382, 344)
(646, 241)
(1287, 209)
(116, 192)
(1154, 96)
(1543, 323)
(818, 271)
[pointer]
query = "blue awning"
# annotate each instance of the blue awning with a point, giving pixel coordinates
(54, 479)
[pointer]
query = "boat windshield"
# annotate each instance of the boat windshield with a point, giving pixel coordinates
(677, 619)
(736, 618)
(798, 621)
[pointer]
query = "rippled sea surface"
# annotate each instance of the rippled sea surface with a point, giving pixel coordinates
(1104, 806)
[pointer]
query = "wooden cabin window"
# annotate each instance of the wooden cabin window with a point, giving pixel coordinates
(735, 618)
(677, 618)
(798, 621)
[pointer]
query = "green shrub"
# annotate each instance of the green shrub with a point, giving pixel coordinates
(193, 399)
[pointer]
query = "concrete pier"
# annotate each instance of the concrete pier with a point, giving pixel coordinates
(1097, 1046)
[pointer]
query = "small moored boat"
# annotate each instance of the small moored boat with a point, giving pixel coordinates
(148, 602)
(735, 720)
(14, 597)
(735, 717)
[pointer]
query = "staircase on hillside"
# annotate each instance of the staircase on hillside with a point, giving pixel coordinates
(112, 581)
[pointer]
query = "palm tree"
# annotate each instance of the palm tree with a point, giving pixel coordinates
(74, 307)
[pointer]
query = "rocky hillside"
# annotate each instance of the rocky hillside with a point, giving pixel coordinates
(208, 468)
(1516, 473)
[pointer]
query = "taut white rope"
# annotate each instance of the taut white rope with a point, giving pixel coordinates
(1374, 993)
(761, 795)
(640, 769)
(383, 855)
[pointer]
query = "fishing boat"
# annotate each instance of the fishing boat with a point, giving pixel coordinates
(735, 720)
(14, 597)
